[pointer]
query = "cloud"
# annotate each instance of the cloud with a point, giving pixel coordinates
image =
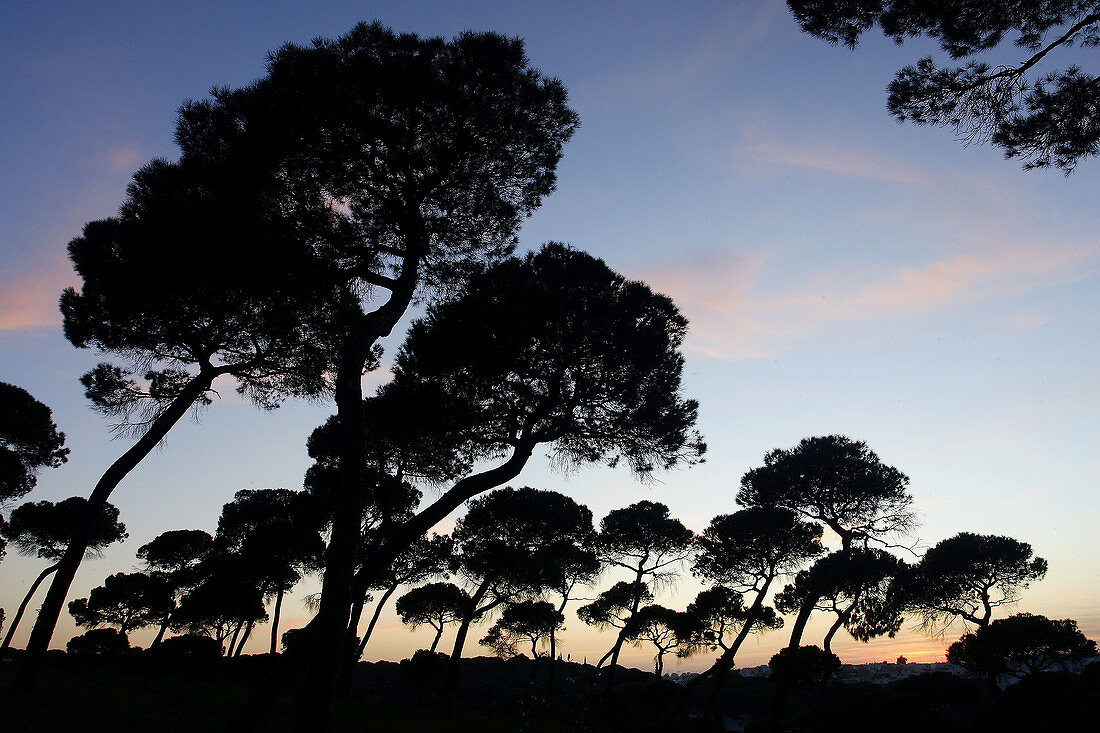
(31, 301)
(735, 315)
(1022, 499)
(769, 155)
(123, 159)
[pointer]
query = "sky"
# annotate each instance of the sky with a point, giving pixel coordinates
(842, 273)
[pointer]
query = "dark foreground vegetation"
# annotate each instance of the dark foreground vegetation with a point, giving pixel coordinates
(143, 692)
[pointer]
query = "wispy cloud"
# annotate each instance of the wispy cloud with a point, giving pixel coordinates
(123, 159)
(769, 155)
(736, 316)
(31, 301)
(1022, 499)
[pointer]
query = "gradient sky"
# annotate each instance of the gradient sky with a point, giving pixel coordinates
(842, 273)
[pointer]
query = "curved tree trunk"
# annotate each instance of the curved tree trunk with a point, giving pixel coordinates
(160, 632)
(14, 623)
(50, 611)
(450, 681)
(275, 621)
(725, 662)
(435, 641)
(326, 661)
(396, 541)
(244, 639)
(357, 646)
(621, 638)
(783, 688)
(233, 641)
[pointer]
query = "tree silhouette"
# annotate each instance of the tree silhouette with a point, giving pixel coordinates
(432, 152)
(427, 557)
(566, 353)
(645, 541)
(177, 555)
(967, 576)
(507, 548)
(150, 297)
(435, 604)
(1044, 117)
(99, 643)
(128, 600)
(276, 533)
(854, 586)
(553, 349)
(29, 440)
(662, 627)
(526, 622)
(45, 530)
(1021, 645)
(747, 551)
(613, 608)
(836, 481)
(715, 619)
(223, 602)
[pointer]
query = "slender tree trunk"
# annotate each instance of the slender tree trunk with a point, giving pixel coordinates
(554, 651)
(450, 680)
(373, 622)
(14, 623)
(435, 641)
(160, 632)
(827, 643)
(275, 621)
(357, 646)
(233, 641)
(244, 639)
(783, 687)
(621, 638)
(725, 662)
(48, 614)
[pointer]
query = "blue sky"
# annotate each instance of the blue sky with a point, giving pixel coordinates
(842, 273)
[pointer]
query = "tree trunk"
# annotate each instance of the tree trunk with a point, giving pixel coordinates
(396, 541)
(275, 621)
(48, 614)
(244, 639)
(783, 687)
(725, 662)
(160, 632)
(357, 647)
(322, 674)
(621, 638)
(233, 641)
(554, 651)
(14, 623)
(373, 622)
(450, 681)
(435, 641)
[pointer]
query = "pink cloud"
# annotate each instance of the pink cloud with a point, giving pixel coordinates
(735, 316)
(770, 154)
(31, 301)
(123, 159)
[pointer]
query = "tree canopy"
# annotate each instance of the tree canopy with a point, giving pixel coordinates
(29, 440)
(1021, 645)
(44, 529)
(1038, 113)
(967, 576)
(127, 600)
(834, 480)
(557, 348)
